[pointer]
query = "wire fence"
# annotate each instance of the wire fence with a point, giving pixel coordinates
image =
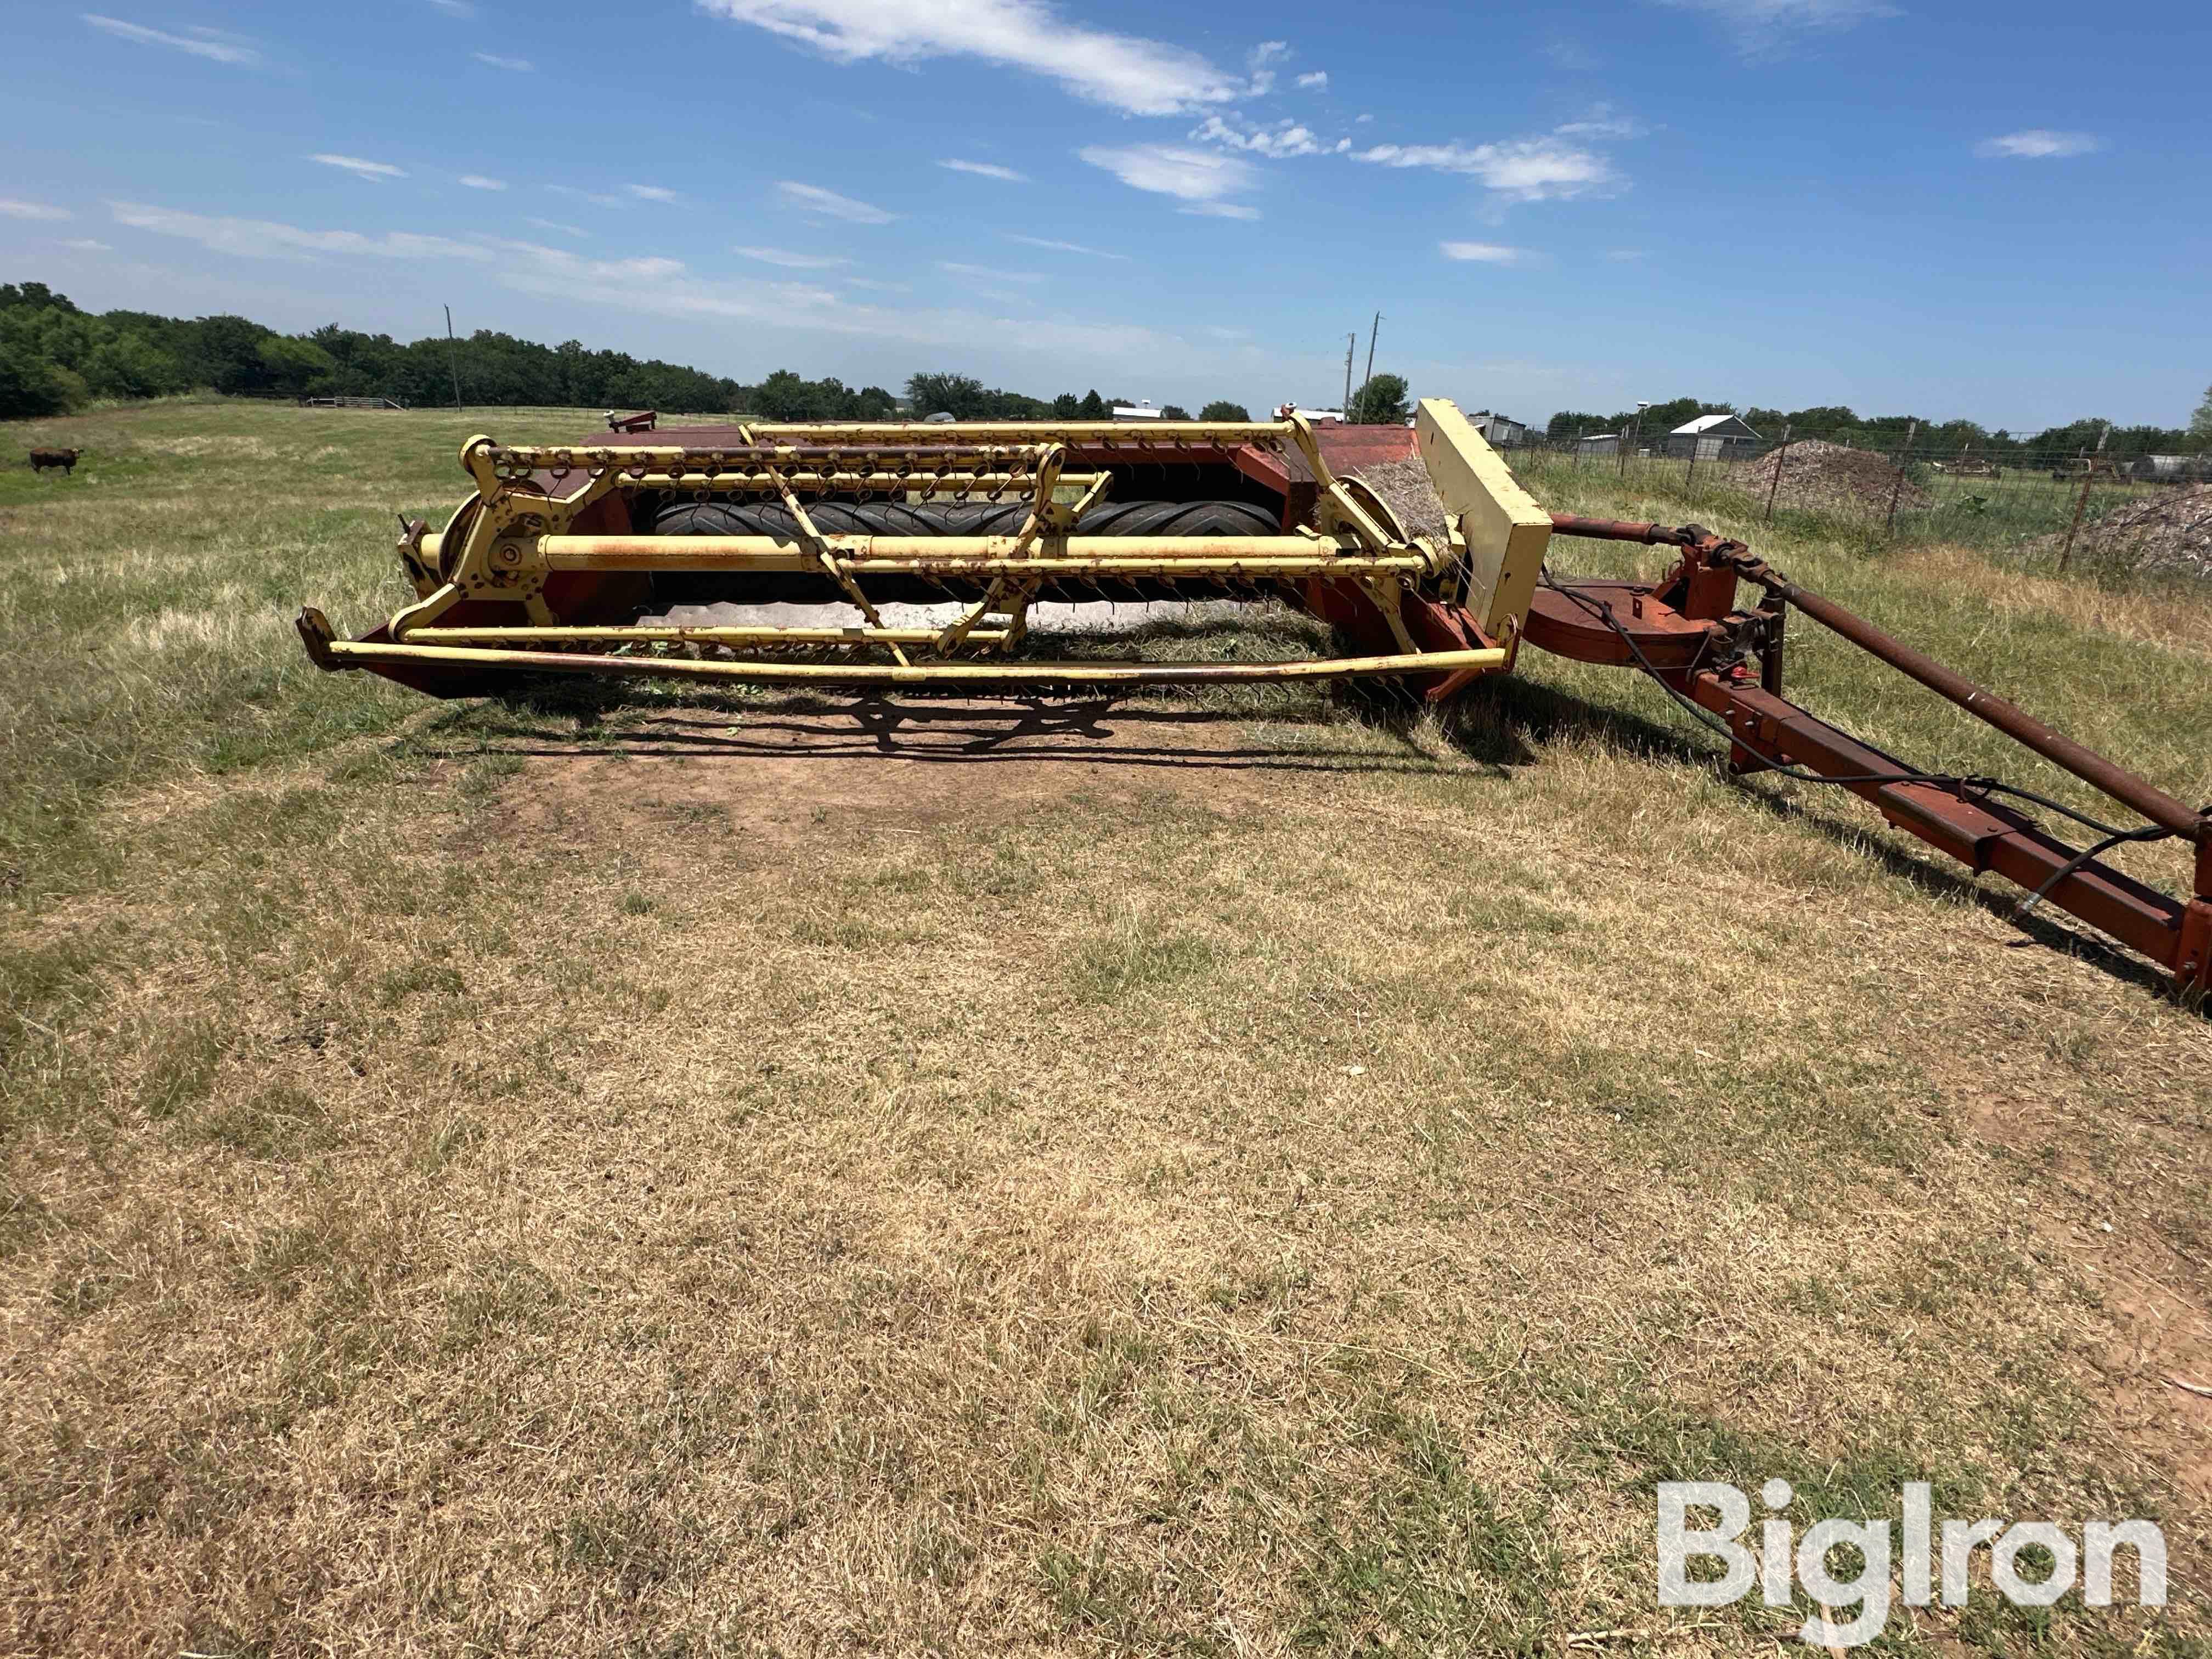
(2066, 505)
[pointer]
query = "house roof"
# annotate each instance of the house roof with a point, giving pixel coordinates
(1707, 423)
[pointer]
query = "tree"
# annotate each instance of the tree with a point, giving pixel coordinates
(1381, 402)
(2200, 424)
(1093, 407)
(1575, 423)
(29, 385)
(1222, 409)
(1175, 412)
(292, 364)
(229, 354)
(784, 396)
(1066, 407)
(131, 366)
(961, 396)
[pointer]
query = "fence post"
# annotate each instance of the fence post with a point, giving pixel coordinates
(1897, 488)
(1781, 460)
(2080, 501)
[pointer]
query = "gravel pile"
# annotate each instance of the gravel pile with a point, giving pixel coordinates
(2169, 532)
(1833, 478)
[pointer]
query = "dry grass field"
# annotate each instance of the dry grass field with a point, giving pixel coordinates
(640, 1172)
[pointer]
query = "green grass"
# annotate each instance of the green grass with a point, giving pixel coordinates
(637, 1171)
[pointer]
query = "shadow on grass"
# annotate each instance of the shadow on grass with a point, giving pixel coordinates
(1504, 724)
(1545, 714)
(1164, 726)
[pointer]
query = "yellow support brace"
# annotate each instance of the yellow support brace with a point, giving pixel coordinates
(1505, 532)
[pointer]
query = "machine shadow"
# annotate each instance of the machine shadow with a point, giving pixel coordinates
(1501, 724)
(1084, 728)
(1513, 711)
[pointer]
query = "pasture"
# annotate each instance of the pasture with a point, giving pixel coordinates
(1256, 1172)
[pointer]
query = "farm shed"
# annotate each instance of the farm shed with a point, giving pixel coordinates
(1502, 431)
(1713, 437)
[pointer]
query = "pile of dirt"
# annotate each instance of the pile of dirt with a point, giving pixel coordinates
(1833, 478)
(2169, 532)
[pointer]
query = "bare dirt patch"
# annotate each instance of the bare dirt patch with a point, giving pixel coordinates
(784, 773)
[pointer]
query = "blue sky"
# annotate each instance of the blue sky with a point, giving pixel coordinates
(1999, 211)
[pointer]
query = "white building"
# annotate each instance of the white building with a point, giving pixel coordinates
(1142, 410)
(1502, 431)
(1713, 437)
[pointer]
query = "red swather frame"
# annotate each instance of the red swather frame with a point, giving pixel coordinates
(1687, 632)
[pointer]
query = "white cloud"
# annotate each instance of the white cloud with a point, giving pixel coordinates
(455, 8)
(360, 168)
(1285, 139)
(1769, 28)
(201, 43)
(555, 224)
(1360, 119)
(987, 170)
(652, 192)
(2037, 144)
(1261, 61)
(1188, 175)
(1063, 247)
(1626, 255)
(812, 198)
(477, 181)
(1220, 211)
(987, 274)
(1122, 71)
(874, 287)
(1521, 170)
(597, 199)
(1316, 82)
(520, 65)
(1484, 253)
(86, 245)
(262, 239)
(11, 207)
(776, 256)
(1603, 121)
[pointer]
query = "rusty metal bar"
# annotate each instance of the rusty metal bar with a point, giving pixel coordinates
(1984, 704)
(1620, 530)
(1981, 834)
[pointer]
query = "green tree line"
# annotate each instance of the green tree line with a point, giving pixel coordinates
(1835, 423)
(55, 357)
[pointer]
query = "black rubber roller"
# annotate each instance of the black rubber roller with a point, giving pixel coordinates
(961, 518)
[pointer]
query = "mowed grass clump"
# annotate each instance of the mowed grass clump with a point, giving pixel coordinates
(770, 1174)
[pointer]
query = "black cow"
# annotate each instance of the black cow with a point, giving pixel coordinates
(64, 458)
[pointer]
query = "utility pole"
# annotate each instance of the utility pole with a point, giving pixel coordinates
(1373, 330)
(1351, 345)
(454, 356)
